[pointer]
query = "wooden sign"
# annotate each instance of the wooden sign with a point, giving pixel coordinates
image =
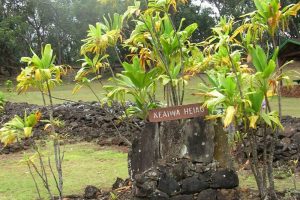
(177, 112)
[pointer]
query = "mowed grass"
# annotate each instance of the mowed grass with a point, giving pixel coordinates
(247, 180)
(84, 164)
(289, 105)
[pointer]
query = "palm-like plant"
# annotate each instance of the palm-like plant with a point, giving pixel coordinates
(138, 84)
(103, 35)
(270, 13)
(241, 77)
(270, 17)
(91, 66)
(41, 72)
(18, 128)
(158, 44)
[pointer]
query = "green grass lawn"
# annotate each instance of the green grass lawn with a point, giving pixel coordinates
(84, 164)
(247, 180)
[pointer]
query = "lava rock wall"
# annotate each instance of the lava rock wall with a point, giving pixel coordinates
(185, 180)
(83, 122)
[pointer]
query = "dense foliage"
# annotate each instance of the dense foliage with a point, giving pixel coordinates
(26, 24)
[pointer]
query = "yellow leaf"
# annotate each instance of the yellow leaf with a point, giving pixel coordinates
(47, 126)
(253, 119)
(38, 75)
(27, 131)
(270, 93)
(230, 111)
(212, 117)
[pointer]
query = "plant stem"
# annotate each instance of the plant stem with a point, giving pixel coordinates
(117, 53)
(35, 183)
(157, 48)
(53, 175)
(42, 173)
(56, 146)
(43, 97)
(58, 166)
(111, 71)
(51, 103)
(279, 72)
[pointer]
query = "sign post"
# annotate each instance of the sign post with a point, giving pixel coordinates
(177, 112)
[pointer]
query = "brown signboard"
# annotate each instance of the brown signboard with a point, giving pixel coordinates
(177, 112)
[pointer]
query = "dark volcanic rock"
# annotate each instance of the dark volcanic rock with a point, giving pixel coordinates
(83, 121)
(145, 189)
(159, 195)
(118, 183)
(144, 151)
(209, 194)
(200, 140)
(194, 184)
(183, 197)
(91, 192)
(168, 184)
(225, 178)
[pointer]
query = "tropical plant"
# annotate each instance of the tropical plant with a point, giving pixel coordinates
(18, 128)
(159, 44)
(269, 17)
(138, 83)
(42, 73)
(242, 78)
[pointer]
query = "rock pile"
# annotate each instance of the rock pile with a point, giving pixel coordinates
(82, 121)
(287, 145)
(293, 91)
(185, 180)
(90, 122)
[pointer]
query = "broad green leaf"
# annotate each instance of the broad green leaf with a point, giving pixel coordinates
(259, 58)
(256, 99)
(269, 69)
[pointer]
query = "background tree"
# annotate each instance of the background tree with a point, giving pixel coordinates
(26, 24)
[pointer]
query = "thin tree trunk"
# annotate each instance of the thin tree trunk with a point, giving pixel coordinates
(259, 177)
(265, 159)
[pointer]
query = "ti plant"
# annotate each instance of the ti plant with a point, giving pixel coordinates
(137, 83)
(242, 78)
(269, 20)
(158, 44)
(17, 128)
(42, 73)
